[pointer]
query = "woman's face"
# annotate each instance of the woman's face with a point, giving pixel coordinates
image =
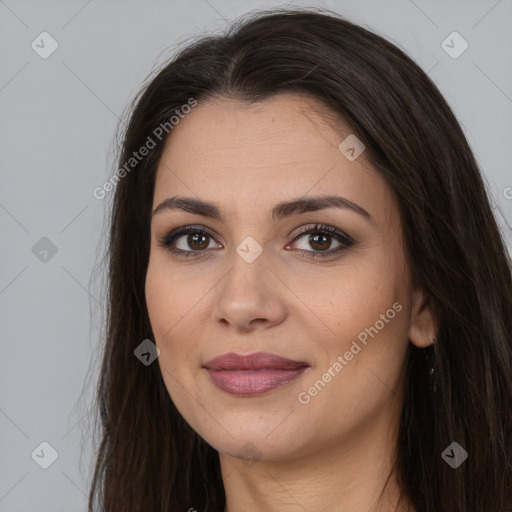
(338, 303)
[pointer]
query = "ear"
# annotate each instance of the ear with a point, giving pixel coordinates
(423, 326)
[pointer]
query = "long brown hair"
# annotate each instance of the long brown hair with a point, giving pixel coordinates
(149, 458)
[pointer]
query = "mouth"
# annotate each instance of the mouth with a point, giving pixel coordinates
(252, 374)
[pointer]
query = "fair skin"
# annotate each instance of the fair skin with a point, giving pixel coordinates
(335, 450)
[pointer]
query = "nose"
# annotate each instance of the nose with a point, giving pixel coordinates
(250, 296)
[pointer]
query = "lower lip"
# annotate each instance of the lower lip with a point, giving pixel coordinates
(252, 382)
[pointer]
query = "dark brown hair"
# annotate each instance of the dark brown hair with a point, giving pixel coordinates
(149, 458)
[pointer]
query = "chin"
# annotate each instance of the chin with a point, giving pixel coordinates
(253, 433)
(271, 426)
(249, 447)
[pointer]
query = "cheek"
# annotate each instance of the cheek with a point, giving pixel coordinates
(177, 303)
(160, 302)
(171, 297)
(346, 299)
(174, 333)
(364, 319)
(168, 305)
(359, 375)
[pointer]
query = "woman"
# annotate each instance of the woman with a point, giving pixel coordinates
(309, 302)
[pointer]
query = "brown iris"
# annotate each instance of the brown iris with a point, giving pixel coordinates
(313, 239)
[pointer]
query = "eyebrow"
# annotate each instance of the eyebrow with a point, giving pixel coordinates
(279, 211)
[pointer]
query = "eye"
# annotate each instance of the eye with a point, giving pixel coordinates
(199, 240)
(320, 239)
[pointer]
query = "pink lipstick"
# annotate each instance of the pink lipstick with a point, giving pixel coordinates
(253, 374)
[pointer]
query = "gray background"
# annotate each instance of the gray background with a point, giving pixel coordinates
(58, 119)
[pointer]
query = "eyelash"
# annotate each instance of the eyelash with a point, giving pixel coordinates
(345, 240)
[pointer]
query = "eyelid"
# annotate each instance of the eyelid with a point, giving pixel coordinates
(321, 227)
(175, 233)
(296, 231)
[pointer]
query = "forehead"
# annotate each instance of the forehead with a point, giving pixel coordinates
(258, 154)
(291, 128)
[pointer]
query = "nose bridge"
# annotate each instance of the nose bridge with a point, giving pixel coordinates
(248, 266)
(247, 293)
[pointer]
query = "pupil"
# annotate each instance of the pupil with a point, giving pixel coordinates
(315, 240)
(194, 239)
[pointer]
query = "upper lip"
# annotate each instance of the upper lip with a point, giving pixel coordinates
(256, 361)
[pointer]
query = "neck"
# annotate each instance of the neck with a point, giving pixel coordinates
(349, 475)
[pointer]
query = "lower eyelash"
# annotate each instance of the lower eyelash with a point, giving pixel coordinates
(345, 241)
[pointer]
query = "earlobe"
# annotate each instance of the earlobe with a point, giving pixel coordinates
(423, 328)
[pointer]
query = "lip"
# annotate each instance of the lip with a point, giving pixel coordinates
(252, 374)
